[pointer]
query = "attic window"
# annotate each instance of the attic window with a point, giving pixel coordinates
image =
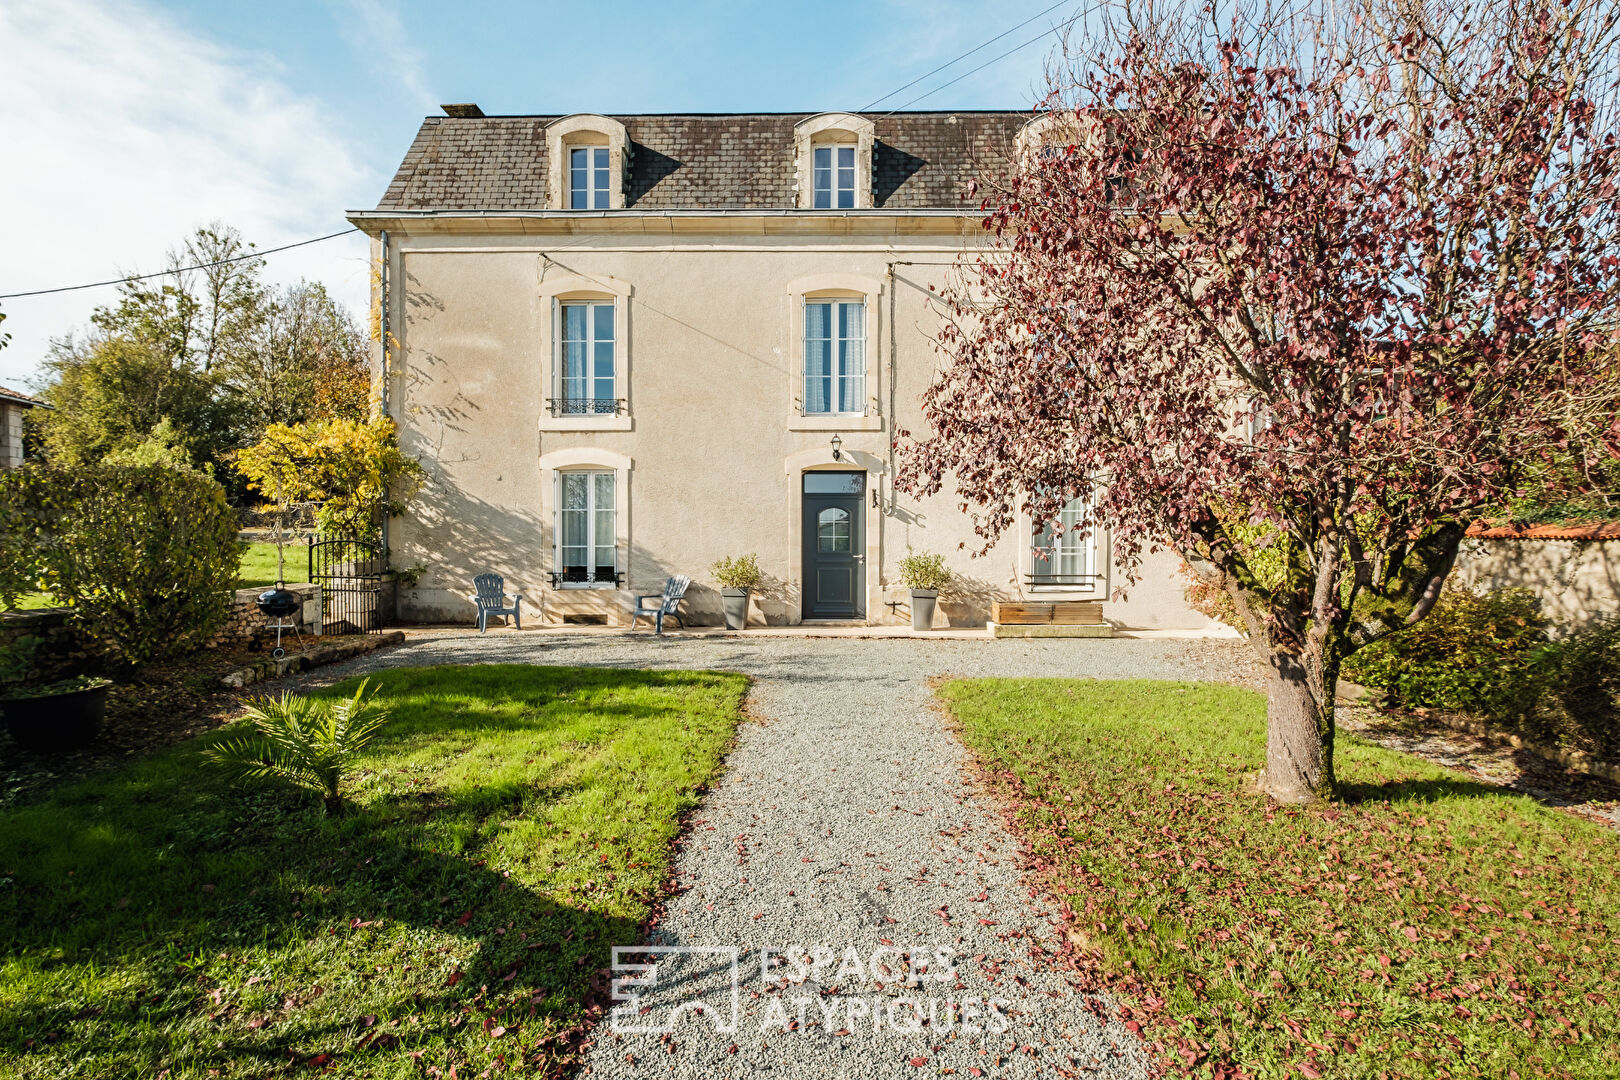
(834, 167)
(588, 172)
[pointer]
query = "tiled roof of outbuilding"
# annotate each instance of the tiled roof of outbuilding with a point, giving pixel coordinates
(742, 161)
(19, 398)
(1573, 530)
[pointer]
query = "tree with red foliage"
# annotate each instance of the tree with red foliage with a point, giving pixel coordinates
(1298, 295)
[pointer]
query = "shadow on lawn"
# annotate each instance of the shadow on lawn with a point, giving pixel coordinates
(1401, 791)
(290, 887)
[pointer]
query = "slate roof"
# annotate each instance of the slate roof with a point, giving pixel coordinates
(742, 161)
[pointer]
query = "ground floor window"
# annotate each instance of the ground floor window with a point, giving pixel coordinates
(1063, 556)
(587, 547)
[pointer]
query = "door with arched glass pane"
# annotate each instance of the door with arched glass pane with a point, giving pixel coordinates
(834, 545)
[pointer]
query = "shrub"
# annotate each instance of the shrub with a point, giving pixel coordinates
(146, 556)
(349, 468)
(1483, 652)
(1581, 705)
(740, 573)
(307, 742)
(922, 570)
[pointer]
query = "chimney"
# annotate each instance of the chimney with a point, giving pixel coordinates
(467, 111)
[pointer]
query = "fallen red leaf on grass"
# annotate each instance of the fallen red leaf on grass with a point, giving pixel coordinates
(919, 1061)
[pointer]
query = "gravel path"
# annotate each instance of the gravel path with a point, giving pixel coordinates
(845, 834)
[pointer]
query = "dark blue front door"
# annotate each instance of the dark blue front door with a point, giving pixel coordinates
(834, 545)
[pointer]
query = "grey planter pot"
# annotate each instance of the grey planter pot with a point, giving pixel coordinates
(736, 605)
(922, 608)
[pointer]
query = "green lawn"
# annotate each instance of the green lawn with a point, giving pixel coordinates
(510, 825)
(258, 571)
(259, 565)
(1426, 925)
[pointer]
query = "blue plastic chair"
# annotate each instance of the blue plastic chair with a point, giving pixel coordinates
(491, 600)
(669, 603)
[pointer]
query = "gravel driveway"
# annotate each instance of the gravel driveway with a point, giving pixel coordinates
(874, 899)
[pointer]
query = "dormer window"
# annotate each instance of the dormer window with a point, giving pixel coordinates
(590, 158)
(588, 172)
(835, 177)
(833, 153)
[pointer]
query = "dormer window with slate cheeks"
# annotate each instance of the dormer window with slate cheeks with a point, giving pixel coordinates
(834, 158)
(589, 157)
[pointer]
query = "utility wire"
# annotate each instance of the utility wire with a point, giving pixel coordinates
(331, 236)
(996, 59)
(964, 56)
(178, 269)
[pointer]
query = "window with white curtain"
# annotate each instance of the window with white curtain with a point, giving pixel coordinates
(835, 357)
(587, 372)
(834, 176)
(1063, 556)
(588, 178)
(587, 547)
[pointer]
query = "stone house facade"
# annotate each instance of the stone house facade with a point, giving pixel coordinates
(626, 346)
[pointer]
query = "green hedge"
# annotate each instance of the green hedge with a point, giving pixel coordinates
(146, 556)
(1490, 654)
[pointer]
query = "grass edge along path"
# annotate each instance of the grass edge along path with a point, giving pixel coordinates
(1423, 925)
(509, 825)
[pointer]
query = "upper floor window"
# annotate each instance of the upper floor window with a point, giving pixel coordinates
(835, 177)
(1064, 556)
(588, 178)
(835, 356)
(588, 374)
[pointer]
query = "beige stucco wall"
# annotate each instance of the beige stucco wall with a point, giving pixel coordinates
(1576, 580)
(711, 454)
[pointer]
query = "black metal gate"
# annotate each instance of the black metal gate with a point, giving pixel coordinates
(350, 574)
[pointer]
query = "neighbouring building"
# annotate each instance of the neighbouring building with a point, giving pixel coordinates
(626, 346)
(13, 404)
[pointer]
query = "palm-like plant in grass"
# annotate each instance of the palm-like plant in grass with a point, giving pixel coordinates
(308, 742)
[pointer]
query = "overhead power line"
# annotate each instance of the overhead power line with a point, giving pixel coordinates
(178, 269)
(963, 56)
(1064, 25)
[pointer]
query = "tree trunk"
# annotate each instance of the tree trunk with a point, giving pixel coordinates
(1299, 735)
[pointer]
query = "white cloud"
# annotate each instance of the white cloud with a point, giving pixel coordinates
(374, 31)
(123, 131)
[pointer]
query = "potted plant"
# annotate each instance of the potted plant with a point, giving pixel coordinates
(53, 715)
(737, 577)
(925, 575)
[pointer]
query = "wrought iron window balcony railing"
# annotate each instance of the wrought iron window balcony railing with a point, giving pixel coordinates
(585, 406)
(580, 576)
(1062, 579)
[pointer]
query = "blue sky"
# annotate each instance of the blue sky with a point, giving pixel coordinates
(129, 124)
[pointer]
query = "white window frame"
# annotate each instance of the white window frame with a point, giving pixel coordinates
(1066, 542)
(836, 191)
(841, 376)
(599, 169)
(559, 377)
(591, 511)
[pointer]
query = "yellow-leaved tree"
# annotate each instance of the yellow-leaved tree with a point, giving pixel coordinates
(352, 471)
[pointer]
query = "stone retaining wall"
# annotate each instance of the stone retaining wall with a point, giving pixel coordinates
(62, 653)
(246, 624)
